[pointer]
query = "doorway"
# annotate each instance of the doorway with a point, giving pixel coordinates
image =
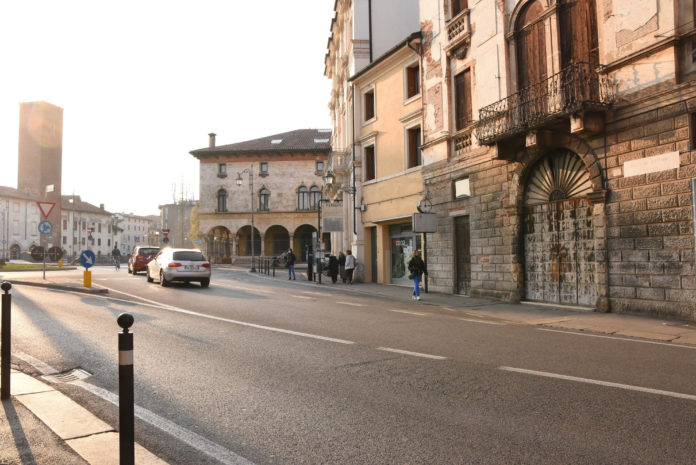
(462, 238)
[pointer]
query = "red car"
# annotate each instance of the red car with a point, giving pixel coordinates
(140, 257)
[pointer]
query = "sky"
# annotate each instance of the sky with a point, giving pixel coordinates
(142, 83)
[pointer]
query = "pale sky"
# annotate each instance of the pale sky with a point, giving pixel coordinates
(142, 83)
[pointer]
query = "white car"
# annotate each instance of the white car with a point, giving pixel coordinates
(183, 265)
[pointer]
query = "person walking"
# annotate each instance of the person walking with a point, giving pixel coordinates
(290, 257)
(342, 266)
(417, 267)
(116, 257)
(333, 268)
(350, 266)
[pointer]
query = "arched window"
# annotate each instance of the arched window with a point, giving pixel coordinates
(302, 198)
(264, 195)
(314, 196)
(222, 200)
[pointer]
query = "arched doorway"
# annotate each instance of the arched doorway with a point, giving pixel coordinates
(276, 240)
(14, 252)
(219, 245)
(558, 232)
(302, 241)
(244, 245)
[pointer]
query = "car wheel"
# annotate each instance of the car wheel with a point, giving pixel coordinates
(205, 282)
(149, 279)
(129, 270)
(163, 281)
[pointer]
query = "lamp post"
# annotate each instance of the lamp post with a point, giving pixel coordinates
(250, 171)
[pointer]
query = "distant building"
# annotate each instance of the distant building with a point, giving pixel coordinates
(287, 171)
(78, 219)
(136, 230)
(176, 219)
(19, 223)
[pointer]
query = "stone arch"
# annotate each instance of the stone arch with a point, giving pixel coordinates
(244, 244)
(302, 240)
(514, 16)
(276, 240)
(15, 251)
(219, 244)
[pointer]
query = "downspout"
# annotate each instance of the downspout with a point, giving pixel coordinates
(355, 192)
(369, 22)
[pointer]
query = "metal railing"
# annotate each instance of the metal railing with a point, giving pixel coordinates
(578, 86)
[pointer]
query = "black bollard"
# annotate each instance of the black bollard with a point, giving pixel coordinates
(5, 341)
(126, 420)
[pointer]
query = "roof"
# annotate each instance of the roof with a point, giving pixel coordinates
(413, 37)
(299, 141)
(74, 202)
(16, 194)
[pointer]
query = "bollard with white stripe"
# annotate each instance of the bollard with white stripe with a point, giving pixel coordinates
(5, 341)
(126, 421)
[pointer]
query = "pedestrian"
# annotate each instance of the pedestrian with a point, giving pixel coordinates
(417, 267)
(290, 257)
(333, 268)
(350, 266)
(342, 266)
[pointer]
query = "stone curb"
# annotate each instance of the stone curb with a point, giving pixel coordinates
(84, 290)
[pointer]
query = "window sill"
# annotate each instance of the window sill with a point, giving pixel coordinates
(222, 175)
(263, 174)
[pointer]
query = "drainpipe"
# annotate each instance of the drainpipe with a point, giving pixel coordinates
(693, 211)
(355, 192)
(369, 22)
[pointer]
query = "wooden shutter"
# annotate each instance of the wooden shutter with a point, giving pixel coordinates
(458, 6)
(579, 38)
(462, 86)
(369, 163)
(369, 105)
(531, 45)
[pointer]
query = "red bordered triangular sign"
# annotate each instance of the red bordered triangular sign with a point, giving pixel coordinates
(46, 208)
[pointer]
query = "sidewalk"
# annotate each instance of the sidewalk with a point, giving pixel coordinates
(53, 422)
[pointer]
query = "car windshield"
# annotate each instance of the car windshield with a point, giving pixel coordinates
(148, 251)
(189, 255)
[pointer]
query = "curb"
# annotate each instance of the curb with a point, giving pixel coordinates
(61, 287)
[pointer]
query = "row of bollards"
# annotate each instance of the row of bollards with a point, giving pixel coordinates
(126, 407)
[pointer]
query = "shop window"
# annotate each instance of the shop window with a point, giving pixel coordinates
(462, 188)
(369, 163)
(413, 141)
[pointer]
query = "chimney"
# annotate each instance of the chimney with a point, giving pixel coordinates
(211, 139)
(101, 206)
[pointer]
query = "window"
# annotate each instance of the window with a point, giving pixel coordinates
(74, 240)
(369, 98)
(413, 141)
(99, 227)
(370, 163)
(263, 168)
(693, 131)
(222, 170)
(222, 200)
(263, 200)
(314, 197)
(302, 198)
(462, 94)
(83, 241)
(458, 6)
(462, 188)
(320, 167)
(412, 81)
(65, 240)
(84, 225)
(74, 224)
(99, 241)
(108, 229)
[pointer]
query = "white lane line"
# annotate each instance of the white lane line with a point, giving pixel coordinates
(242, 288)
(625, 339)
(415, 354)
(600, 383)
(409, 313)
(171, 308)
(301, 296)
(351, 303)
(194, 440)
(323, 294)
(471, 320)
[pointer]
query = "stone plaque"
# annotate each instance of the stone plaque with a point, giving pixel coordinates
(664, 162)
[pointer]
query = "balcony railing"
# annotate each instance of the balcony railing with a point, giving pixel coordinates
(577, 87)
(459, 31)
(462, 141)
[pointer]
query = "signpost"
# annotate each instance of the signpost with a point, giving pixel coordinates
(165, 233)
(424, 222)
(87, 259)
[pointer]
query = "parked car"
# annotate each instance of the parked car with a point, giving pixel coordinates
(183, 265)
(140, 257)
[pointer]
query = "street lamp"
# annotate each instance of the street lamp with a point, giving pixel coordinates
(330, 178)
(250, 171)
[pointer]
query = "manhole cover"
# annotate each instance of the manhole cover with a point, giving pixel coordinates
(68, 376)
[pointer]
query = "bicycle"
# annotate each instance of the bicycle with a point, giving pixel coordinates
(117, 263)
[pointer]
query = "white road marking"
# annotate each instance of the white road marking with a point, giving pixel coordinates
(194, 440)
(415, 354)
(409, 313)
(471, 320)
(242, 288)
(301, 296)
(351, 303)
(625, 339)
(599, 383)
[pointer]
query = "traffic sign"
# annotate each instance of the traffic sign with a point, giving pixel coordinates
(37, 253)
(46, 228)
(46, 208)
(87, 259)
(54, 254)
(165, 232)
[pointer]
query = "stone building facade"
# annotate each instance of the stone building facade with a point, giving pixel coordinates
(278, 177)
(557, 146)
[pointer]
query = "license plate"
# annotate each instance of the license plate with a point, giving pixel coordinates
(191, 267)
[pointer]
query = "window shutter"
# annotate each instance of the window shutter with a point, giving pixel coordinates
(463, 109)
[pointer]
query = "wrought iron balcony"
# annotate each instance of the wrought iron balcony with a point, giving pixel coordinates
(577, 87)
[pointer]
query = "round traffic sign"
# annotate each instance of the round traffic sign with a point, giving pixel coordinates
(46, 228)
(55, 254)
(87, 258)
(37, 253)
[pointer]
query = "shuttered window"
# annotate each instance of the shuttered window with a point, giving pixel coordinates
(413, 136)
(458, 6)
(412, 81)
(369, 163)
(369, 105)
(462, 86)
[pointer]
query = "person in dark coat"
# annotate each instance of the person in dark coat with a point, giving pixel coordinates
(291, 264)
(342, 266)
(417, 267)
(333, 268)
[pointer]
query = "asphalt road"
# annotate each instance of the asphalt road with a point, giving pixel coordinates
(269, 372)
